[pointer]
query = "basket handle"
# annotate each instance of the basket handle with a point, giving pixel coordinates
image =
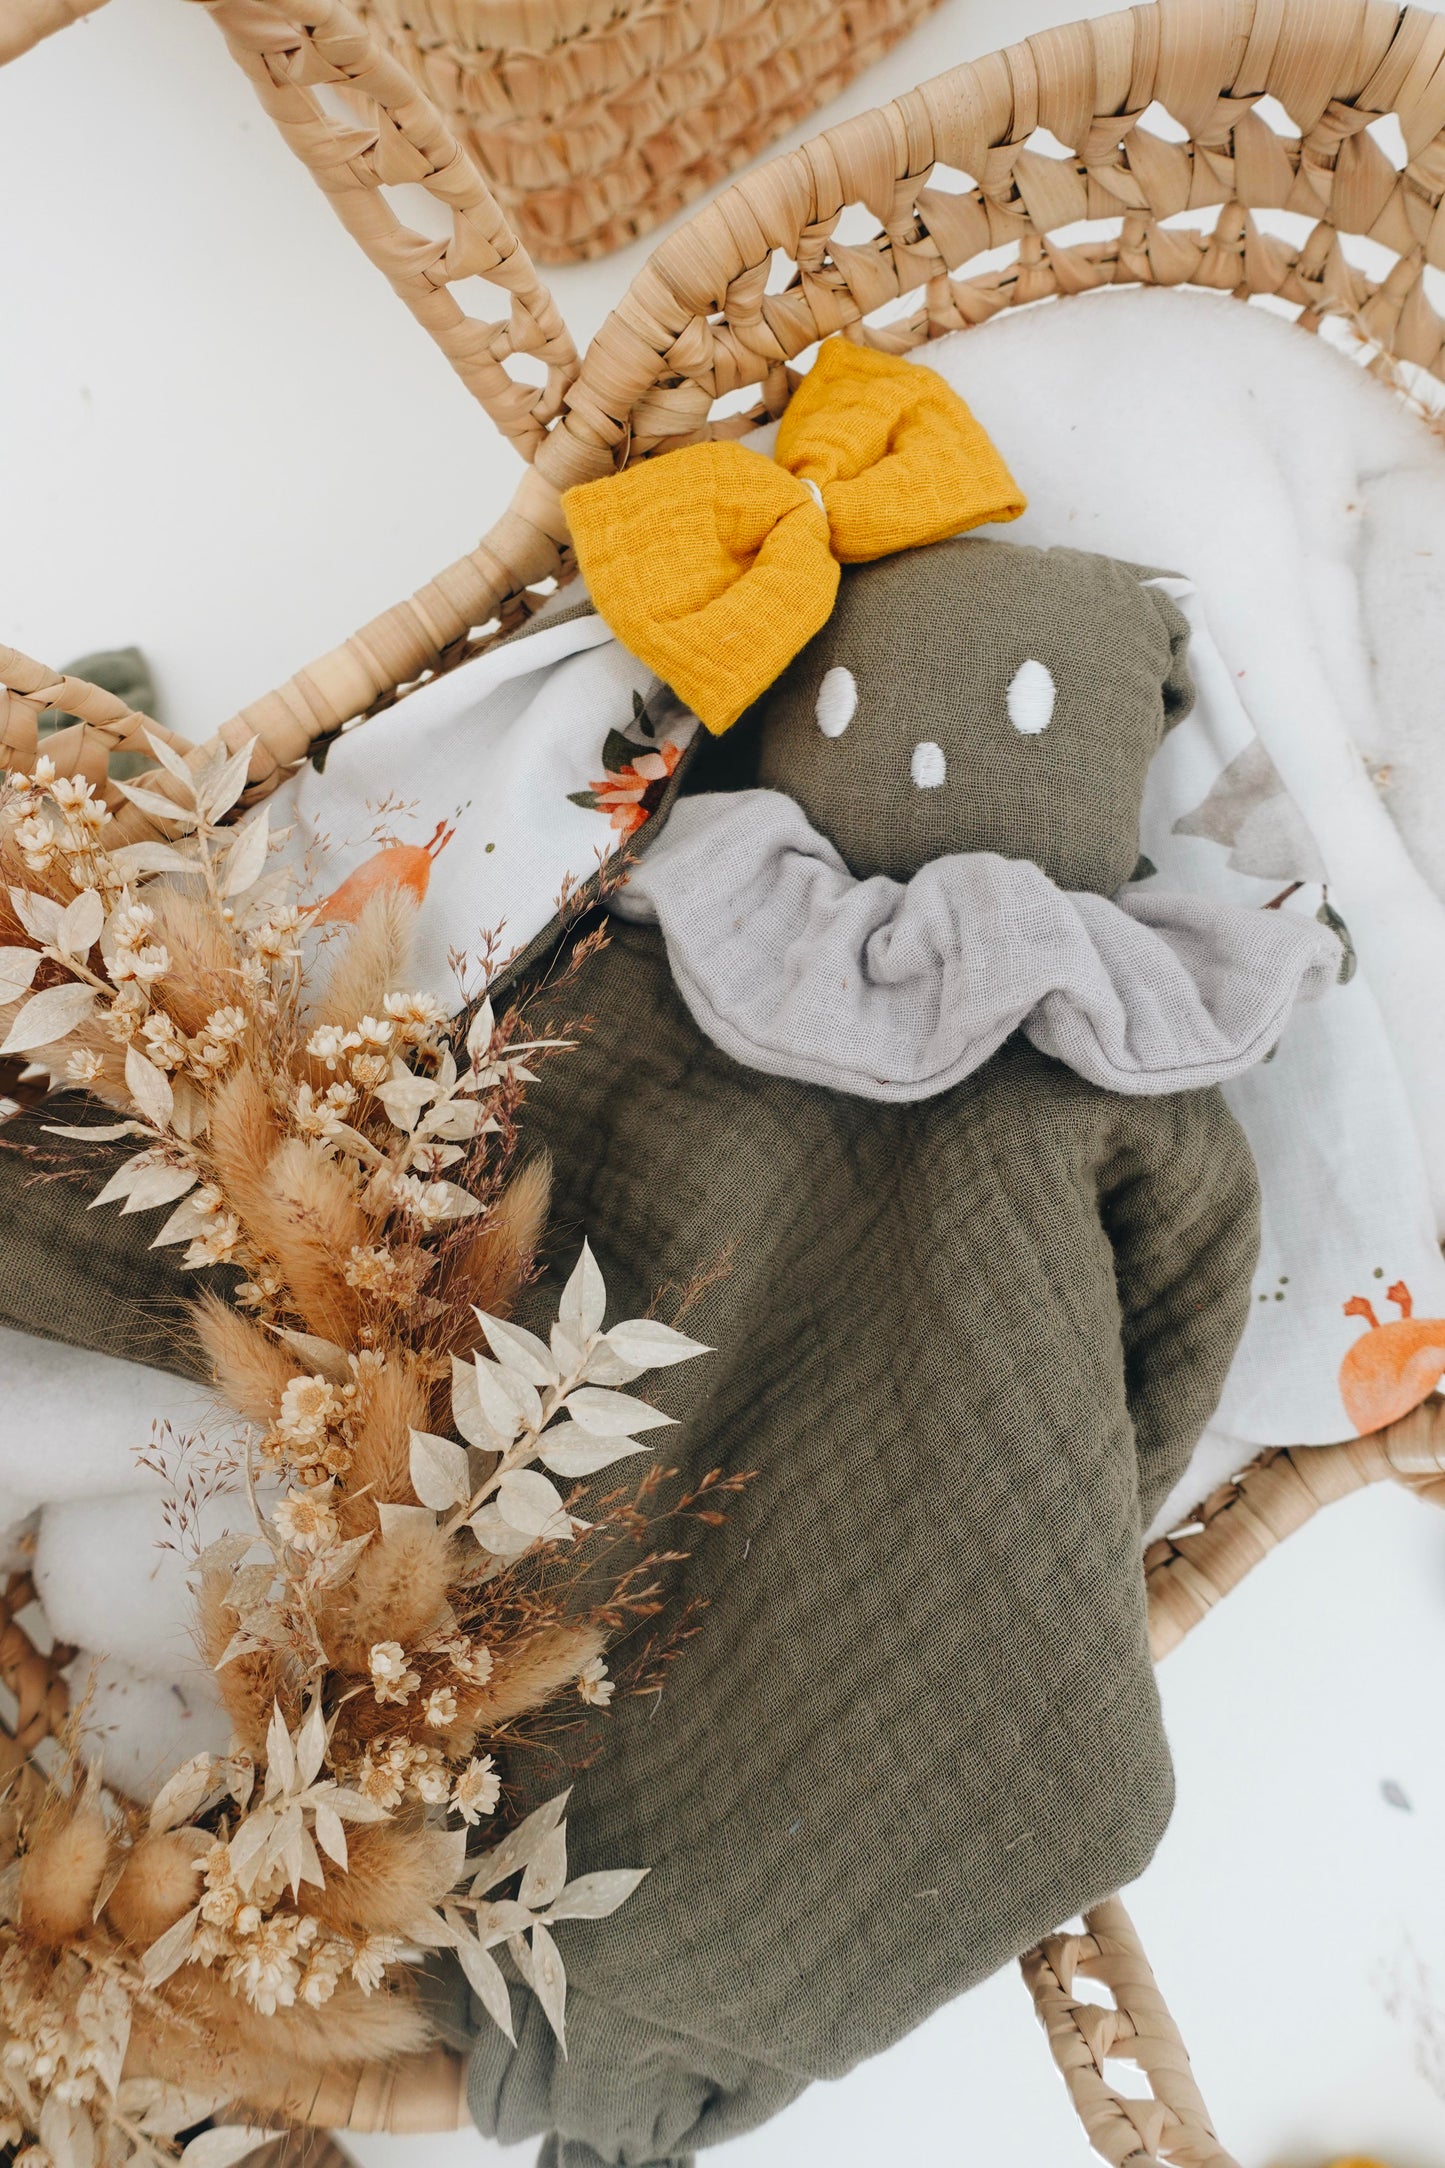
(1172, 2123)
(1186, 1574)
(24, 23)
(290, 53)
(104, 724)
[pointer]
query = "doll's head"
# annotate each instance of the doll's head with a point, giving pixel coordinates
(981, 696)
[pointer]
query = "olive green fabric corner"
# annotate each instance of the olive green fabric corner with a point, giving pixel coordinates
(84, 1277)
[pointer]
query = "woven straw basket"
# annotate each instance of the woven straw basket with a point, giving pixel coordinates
(699, 326)
(596, 119)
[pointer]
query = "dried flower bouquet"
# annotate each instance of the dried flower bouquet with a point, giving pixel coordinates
(398, 1607)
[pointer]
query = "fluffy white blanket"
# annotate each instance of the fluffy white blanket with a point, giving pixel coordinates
(1178, 430)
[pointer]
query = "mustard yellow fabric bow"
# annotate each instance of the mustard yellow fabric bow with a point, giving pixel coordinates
(715, 565)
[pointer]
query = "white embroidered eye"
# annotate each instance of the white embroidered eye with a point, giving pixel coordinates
(1031, 698)
(928, 767)
(837, 701)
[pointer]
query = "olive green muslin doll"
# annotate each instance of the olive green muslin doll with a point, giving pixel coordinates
(873, 1038)
(892, 1069)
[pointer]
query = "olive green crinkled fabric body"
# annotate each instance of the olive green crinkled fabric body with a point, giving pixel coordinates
(967, 1344)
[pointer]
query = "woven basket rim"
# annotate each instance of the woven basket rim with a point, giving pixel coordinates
(697, 323)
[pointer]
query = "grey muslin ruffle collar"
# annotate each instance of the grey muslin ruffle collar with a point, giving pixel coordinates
(896, 990)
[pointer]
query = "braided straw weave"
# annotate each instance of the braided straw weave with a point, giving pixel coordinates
(699, 324)
(595, 122)
(947, 173)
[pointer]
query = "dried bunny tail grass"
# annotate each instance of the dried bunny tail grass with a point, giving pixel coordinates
(249, 1685)
(528, 1676)
(306, 1218)
(157, 1884)
(397, 1592)
(374, 961)
(202, 973)
(391, 1402)
(251, 1369)
(203, 2030)
(242, 1136)
(60, 1876)
(297, 1207)
(488, 1266)
(395, 1873)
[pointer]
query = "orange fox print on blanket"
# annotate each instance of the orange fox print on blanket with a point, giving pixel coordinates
(1392, 1367)
(398, 865)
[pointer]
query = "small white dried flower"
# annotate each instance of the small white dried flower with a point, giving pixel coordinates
(130, 927)
(217, 1245)
(369, 1965)
(374, 1032)
(268, 1973)
(305, 1520)
(225, 1023)
(477, 1789)
(416, 1016)
(425, 1201)
(71, 792)
(441, 1707)
(142, 964)
(35, 840)
(322, 1114)
(274, 940)
(217, 1039)
(390, 1678)
(221, 1899)
(370, 1070)
(381, 1774)
(84, 1065)
(329, 1043)
(370, 1269)
(593, 1684)
(430, 1777)
(164, 1045)
(258, 1293)
(309, 1406)
(324, 1970)
(122, 1018)
(473, 1659)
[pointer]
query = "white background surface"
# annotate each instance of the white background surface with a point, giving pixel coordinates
(223, 438)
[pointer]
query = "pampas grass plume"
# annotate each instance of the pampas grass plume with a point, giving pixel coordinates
(251, 1368)
(491, 1265)
(391, 1403)
(529, 1676)
(397, 1592)
(305, 1216)
(373, 962)
(248, 1685)
(394, 1874)
(208, 2031)
(201, 976)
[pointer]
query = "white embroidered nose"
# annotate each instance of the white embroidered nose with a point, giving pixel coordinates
(837, 701)
(928, 767)
(1031, 698)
